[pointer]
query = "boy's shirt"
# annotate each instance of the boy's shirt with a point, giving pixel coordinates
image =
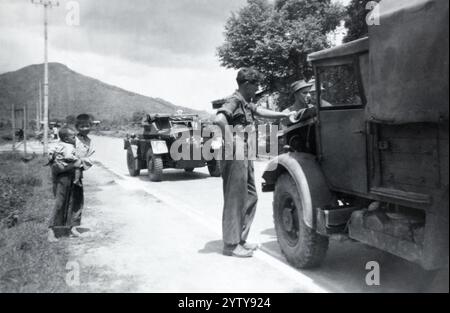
(63, 153)
(84, 150)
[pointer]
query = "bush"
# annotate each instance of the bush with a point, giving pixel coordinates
(7, 137)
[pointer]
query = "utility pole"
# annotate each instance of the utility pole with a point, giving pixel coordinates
(13, 126)
(25, 121)
(47, 4)
(38, 120)
(40, 105)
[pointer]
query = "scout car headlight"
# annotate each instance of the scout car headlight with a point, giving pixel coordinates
(159, 146)
(216, 144)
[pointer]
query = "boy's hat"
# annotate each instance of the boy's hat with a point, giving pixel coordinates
(84, 118)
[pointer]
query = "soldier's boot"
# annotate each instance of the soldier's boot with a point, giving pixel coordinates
(239, 252)
(51, 236)
(249, 246)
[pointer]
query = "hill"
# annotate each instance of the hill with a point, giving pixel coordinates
(71, 93)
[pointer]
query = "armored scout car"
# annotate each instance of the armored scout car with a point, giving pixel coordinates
(151, 150)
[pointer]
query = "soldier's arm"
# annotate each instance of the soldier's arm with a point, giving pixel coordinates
(224, 116)
(222, 121)
(265, 113)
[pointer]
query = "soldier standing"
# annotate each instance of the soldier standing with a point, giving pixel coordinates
(239, 190)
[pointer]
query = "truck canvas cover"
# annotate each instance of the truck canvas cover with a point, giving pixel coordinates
(409, 62)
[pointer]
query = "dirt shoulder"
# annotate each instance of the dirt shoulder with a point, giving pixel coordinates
(28, 263)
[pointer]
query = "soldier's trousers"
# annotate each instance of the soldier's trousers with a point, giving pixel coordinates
(240, 198)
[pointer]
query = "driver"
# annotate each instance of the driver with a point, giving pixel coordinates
(302, 101)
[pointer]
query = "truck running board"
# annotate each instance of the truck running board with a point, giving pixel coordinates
(333, 220)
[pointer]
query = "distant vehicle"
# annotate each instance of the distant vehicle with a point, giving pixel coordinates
(151, 150)
(373, 166)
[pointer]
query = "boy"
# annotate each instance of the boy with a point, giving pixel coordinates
(65, 153)
(83, 143)
(84, 151)
(70, 197)
(63, 158)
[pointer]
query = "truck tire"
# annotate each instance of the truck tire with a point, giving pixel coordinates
(132, 163)
(215, 168)
(155, 168)
(302, 246)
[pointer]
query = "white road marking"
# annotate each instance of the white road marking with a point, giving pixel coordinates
(305, 281)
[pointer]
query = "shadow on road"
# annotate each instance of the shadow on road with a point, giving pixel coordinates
(344, 269)
(215, 246)
(177, 175)
(269, 232)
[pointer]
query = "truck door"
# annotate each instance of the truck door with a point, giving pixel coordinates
(342, 128)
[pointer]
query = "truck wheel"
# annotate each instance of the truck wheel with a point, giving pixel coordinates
(155, 168)
(302, 246)
(215, 168)
(189, 169)
(132, 163)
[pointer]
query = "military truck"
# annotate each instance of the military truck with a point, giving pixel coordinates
(151, 150)
(373, 165)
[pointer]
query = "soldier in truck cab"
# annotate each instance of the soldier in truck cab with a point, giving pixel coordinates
(302, 96)
(302, 102)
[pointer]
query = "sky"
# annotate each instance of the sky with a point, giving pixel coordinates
(158, 48)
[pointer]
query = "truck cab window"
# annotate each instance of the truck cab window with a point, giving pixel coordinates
(339, 86)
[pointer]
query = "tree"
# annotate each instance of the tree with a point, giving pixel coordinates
(355, 20)
(276, 38)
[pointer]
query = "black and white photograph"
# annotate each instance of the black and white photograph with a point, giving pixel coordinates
(224, 152)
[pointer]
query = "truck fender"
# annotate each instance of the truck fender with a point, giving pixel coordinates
(309, 178)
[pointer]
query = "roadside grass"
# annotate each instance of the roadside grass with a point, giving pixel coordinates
(28, 263)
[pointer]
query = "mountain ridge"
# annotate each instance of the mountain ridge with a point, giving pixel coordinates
(72, 93)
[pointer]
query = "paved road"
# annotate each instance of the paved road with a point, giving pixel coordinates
(199, 197)
(139, 243)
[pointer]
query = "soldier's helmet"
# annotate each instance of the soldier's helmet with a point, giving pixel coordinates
(248, 74)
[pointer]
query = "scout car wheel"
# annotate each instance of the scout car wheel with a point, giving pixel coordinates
(302, 246)
(155, 168)
(214, 168)
(132, 163)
